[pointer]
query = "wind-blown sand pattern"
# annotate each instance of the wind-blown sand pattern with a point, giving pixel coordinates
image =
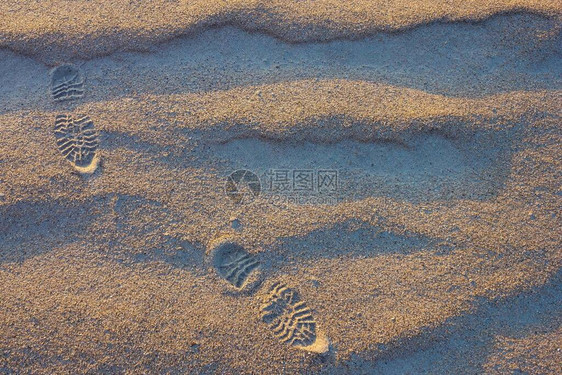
(440, 254)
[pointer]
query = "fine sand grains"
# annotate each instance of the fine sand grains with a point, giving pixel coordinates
(445, 227)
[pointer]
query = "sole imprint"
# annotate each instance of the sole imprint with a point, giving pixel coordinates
(291, 320)
(77, 140)
(67, 82)
(234, 264)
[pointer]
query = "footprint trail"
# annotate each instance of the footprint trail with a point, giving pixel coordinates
(77, 140)
(290, 319)
(67, 83)
(234, 264)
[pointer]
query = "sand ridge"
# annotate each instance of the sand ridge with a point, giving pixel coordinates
(511, 52)
(92, 28)
(391, 114)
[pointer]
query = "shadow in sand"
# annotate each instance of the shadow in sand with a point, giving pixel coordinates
(28, 229)
(463, 344)
(352, 238)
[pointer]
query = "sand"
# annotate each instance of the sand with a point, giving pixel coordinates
(439, 251)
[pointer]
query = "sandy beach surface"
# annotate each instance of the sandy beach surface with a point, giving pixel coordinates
(280, 187)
